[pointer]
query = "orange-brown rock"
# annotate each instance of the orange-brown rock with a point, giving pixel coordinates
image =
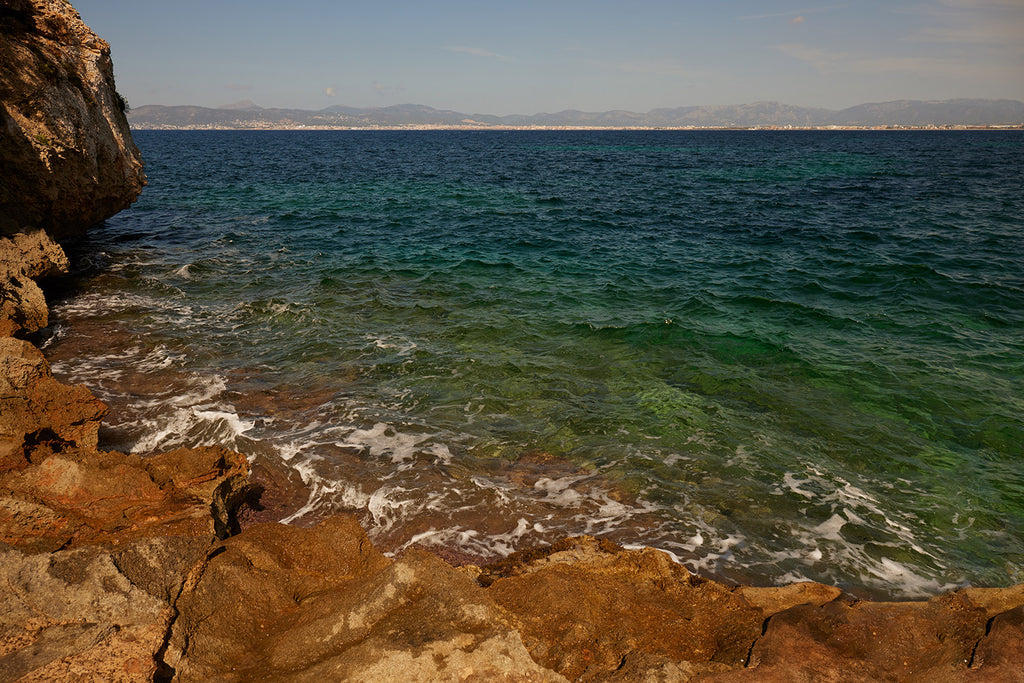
(592, 611)
(999, 657)
(66, 155)
(289, 604)
(95, 548)
(773, 599)
(24, 258)
(75, 497)
(587, 607)
(72, 616)
(861, 641)
(35, 407)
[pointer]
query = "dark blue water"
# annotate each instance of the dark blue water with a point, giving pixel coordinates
(779, 356)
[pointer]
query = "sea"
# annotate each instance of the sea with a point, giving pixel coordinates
(775, 355)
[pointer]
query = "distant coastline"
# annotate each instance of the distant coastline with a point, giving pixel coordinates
(897, 115)
(413, 127)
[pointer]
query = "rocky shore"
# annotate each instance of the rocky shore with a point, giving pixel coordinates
(134, 567)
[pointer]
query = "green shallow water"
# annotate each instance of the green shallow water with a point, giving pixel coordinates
(778, 356)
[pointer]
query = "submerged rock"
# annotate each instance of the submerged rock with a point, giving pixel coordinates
(67, 158)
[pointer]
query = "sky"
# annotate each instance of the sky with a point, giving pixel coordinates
(526, 57)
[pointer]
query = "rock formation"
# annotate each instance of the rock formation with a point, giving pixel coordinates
(25, 257)
(66, 155)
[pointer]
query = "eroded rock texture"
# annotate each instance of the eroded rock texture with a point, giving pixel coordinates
(67, 159)
(24, 258)
(35, 407)
(591, 611)
(322, 604)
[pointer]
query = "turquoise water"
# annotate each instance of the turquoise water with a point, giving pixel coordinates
(778, 356)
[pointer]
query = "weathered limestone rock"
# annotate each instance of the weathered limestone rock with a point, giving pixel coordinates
(74, 613)
(999, 657)
(95, 549)
(289, 604)
(75, 497)
(588, 606)
(35, 407)
(66, 155)
(868, 641)
(25, 257)
(592, 611)
(773, 599)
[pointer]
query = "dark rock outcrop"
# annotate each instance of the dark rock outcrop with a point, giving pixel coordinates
(66, 155)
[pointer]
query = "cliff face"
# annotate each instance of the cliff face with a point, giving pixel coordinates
(67, 160)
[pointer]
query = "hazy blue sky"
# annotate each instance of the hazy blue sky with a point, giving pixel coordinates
(526, 57)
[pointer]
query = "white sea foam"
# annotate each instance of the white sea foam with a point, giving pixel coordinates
(384, 440)
(402, 346)
(830, 528)
(385, 507)
(793, 485)
(559, 491)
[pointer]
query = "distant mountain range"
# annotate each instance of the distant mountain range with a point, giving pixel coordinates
(911, 113)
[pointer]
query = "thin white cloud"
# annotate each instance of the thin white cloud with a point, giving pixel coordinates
(980, 4)
(662, 68)
(793, 13)
(973, 22)
(476, 52)
(830, 63)
(383, 90)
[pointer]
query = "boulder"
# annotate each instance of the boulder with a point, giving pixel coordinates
(847, 640)
(75, 497)
(73, 615)
(999, 657)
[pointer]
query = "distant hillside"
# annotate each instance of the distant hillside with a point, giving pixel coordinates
(246, 114)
